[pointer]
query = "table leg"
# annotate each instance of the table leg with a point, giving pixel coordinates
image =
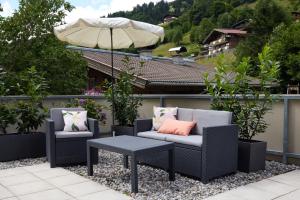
(171, 165)
(134, 175)
(125, 161)
(89, 160)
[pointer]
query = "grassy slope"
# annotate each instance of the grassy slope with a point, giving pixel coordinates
(229, 58)
(162, 50)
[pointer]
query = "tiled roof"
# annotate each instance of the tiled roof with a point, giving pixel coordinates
(216, 33)
(231, 31)
(157, 71)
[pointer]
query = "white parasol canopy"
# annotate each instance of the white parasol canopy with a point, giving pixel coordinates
(96, 33)
(110, 33)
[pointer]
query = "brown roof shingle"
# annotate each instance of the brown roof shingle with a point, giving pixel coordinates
(156, 71)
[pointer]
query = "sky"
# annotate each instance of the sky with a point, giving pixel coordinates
(85, 8)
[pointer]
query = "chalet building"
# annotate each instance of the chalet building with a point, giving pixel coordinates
(170, 18)
(157, 76)
(243, 25)
(221, 40)
(296, 16)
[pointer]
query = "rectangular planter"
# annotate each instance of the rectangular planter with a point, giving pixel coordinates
(123, 130)
(21, 146)
(251, 155)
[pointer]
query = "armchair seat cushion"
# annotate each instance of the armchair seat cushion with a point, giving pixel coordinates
(152, 135)
(65, 134)
(194, 140)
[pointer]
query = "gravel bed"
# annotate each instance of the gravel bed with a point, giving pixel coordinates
(154, 184)
(21, 163)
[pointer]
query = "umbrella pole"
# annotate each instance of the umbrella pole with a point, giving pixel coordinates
(112, 78)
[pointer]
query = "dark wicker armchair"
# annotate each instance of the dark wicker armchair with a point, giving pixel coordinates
(67, 148)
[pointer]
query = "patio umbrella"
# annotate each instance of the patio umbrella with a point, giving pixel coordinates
(110, 33)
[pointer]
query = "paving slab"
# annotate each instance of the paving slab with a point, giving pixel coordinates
(40, 182)
(107, 194)
(29, 188)
(84, 188)
(5, 193)
(282, 187)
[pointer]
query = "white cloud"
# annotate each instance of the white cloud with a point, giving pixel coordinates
(93, 11)
(7, 9)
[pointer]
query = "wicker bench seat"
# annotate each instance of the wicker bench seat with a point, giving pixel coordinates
(210, 151)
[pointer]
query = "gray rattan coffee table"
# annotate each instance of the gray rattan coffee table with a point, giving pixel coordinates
(133, 147)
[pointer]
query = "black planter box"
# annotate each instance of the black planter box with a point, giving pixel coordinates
(21, 146)
(123, 130)
(251, 155)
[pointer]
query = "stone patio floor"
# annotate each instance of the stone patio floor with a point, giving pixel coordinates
(281, 187)
(40, 182)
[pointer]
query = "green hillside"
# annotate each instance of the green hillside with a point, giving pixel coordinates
(196, 19)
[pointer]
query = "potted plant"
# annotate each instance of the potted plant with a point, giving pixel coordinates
(94, 110)
(28, 116)
(125, 103)
(249, 99)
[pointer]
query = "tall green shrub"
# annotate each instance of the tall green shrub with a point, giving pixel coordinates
(125, 103)
(7, 112)
(247, 98)
(31, 113)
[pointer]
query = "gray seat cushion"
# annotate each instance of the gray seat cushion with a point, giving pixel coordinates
(208, 118)
(64, 134)
(152, 135)
(195, 140)
(57, 117)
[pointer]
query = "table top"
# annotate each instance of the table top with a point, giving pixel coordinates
(129, 144)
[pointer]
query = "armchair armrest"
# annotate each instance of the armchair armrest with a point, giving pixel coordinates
(141, 125)
(50, 141)
(94, 127)
(219, 151)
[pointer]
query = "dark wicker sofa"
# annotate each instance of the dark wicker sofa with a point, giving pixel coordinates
(209, 152)
(67, 148)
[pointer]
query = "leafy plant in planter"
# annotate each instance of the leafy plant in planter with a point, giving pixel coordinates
(32, 113)
(94, 109)
(232, 90)
(7, 112)
(8, 116)
(125, 103)
(28, 115)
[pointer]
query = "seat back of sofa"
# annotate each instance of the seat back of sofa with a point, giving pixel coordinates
(204, 118)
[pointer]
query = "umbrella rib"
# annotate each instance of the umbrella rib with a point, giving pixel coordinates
(98, 37)
(128, 35)
(73, 32)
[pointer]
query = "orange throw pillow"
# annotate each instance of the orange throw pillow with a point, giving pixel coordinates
(176, 127)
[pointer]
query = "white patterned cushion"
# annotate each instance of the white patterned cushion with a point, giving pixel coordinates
(75, 121)
(161, 114)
